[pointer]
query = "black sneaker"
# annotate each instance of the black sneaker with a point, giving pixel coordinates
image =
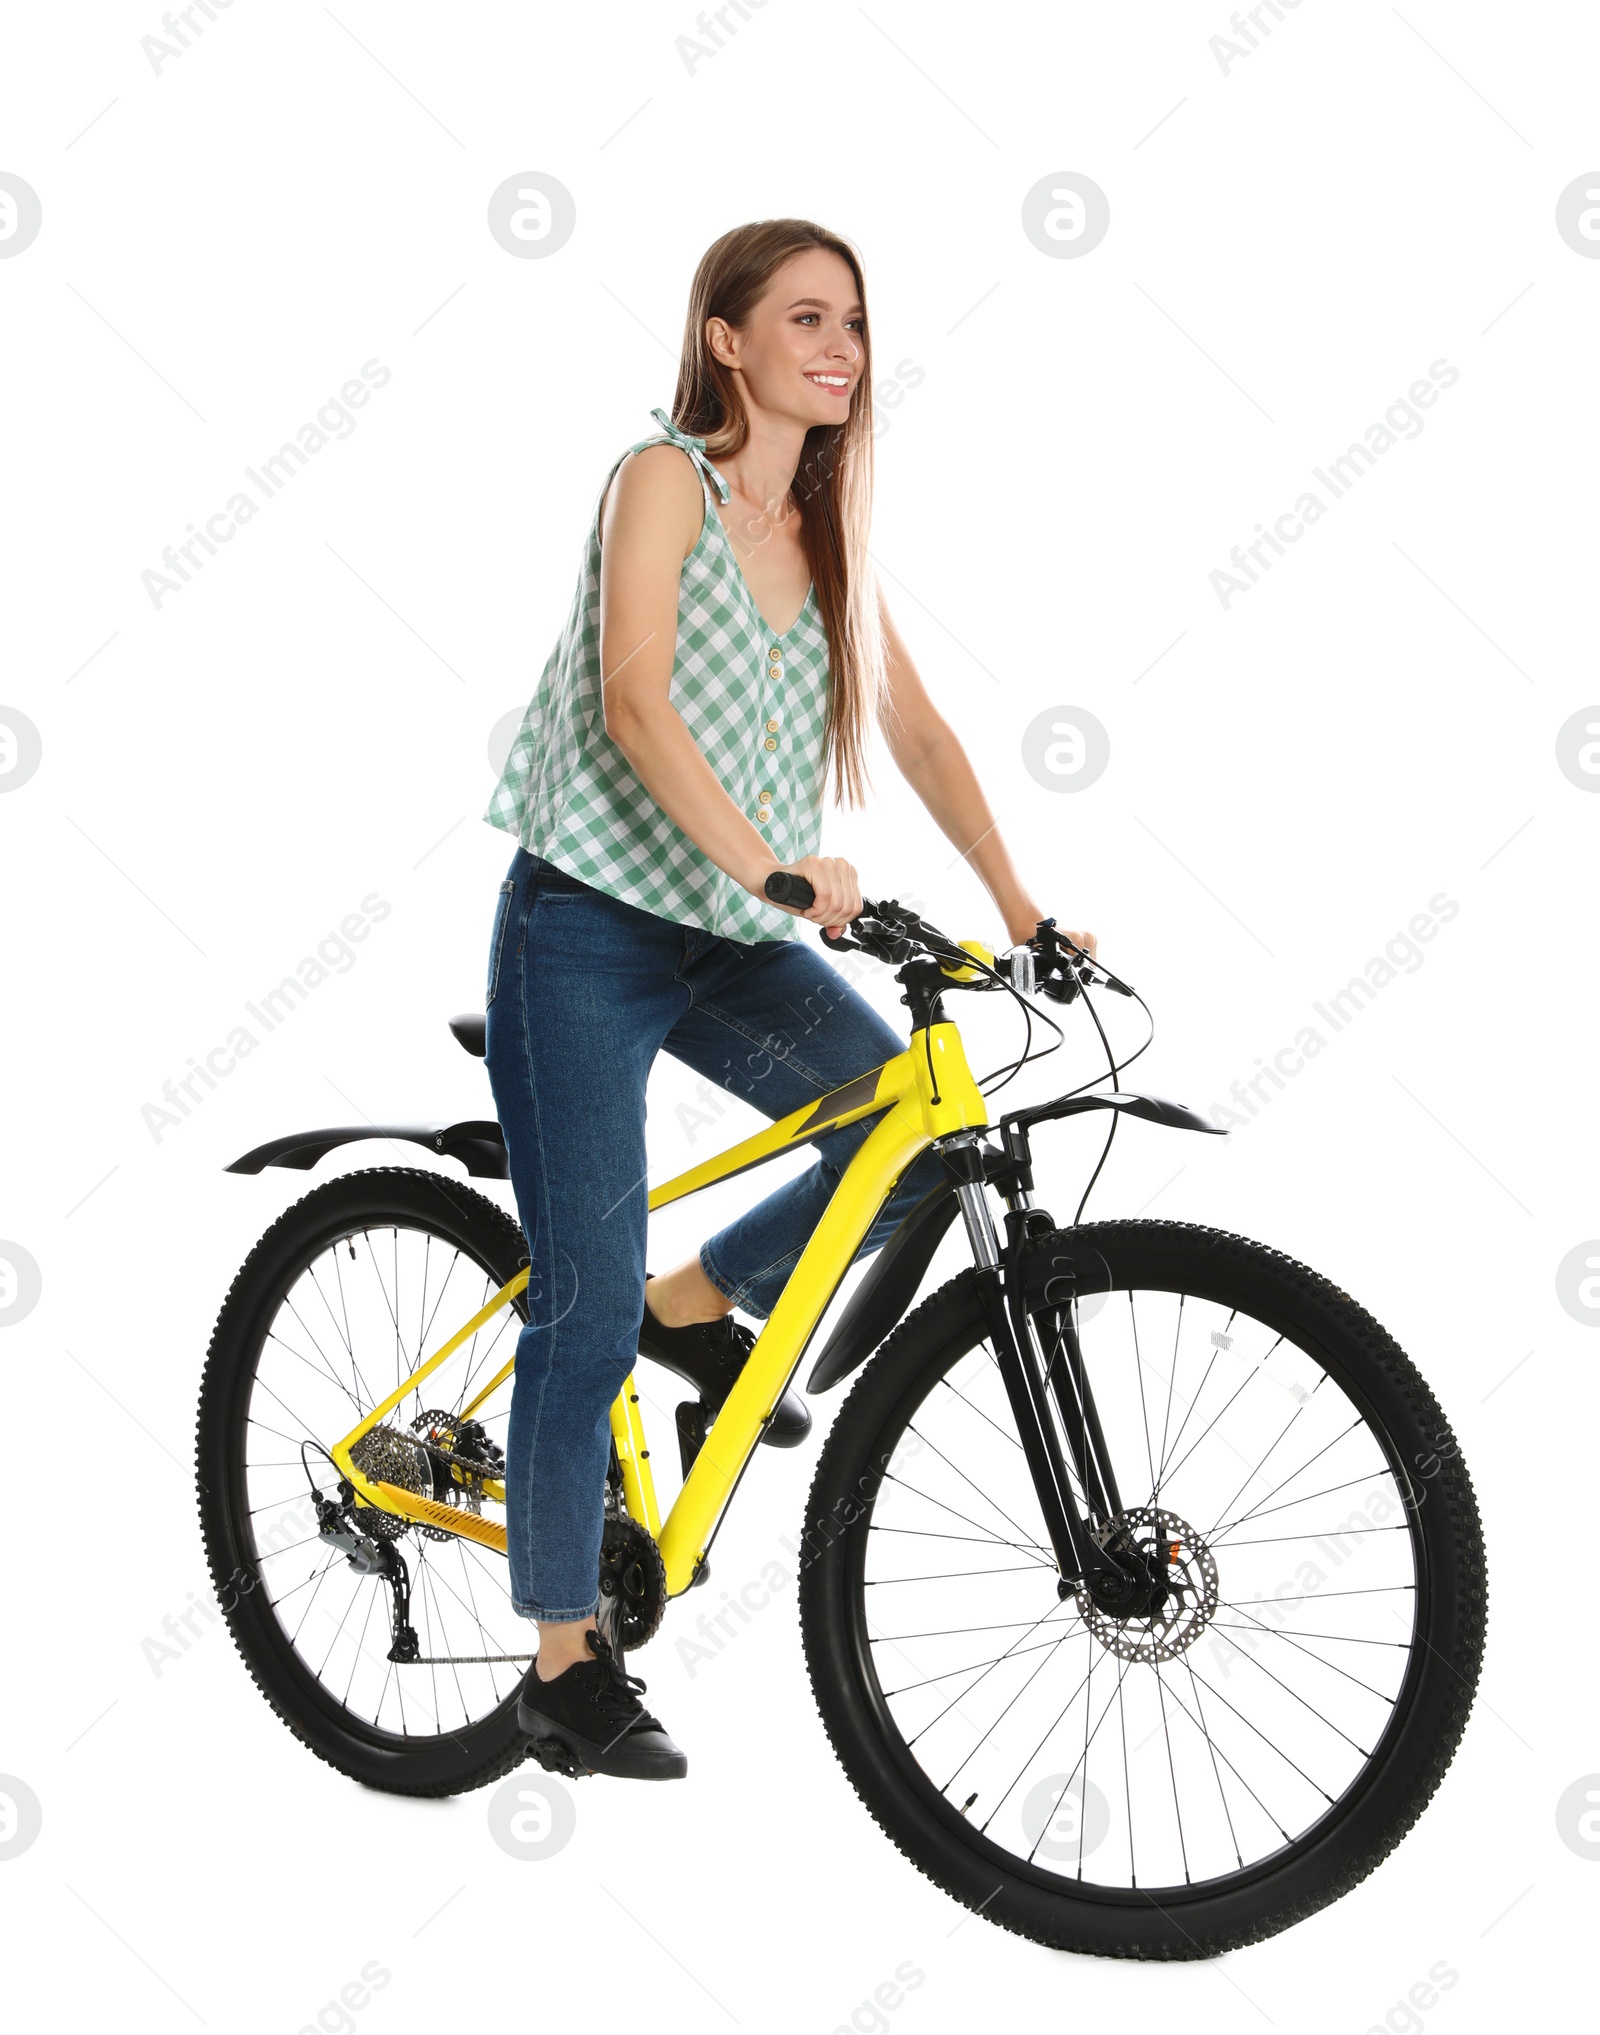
(710, 1355)
(592, 1711)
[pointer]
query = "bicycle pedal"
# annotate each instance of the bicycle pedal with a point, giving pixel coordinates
(557, 1758)
(691, 1424)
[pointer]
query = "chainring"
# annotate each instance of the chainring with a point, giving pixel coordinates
(633, 1583)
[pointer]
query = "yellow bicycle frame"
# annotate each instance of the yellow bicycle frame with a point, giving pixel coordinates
(926, 1092)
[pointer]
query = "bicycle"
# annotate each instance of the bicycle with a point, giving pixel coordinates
(1162, 1728)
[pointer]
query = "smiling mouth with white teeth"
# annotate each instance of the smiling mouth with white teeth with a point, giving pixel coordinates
(838, 384)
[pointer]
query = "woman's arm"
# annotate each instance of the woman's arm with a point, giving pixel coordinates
(930, 758)
(650, 523)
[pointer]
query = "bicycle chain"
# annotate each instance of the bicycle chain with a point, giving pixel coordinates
(476, 1465)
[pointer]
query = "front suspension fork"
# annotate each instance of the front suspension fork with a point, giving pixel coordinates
(1030, 1384)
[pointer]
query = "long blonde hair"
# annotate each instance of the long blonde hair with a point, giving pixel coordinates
(832, 484)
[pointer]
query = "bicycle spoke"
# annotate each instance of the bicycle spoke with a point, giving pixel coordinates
(1222, 1793)
(1015, 1648)
(327, 1369)
(878, 1582)
(1021, 1547)
(1345, 1532)
(1249, 1378)
(966, 1667)
(1289, 1504)
(1166, 1418)
(1006, 1516)
(1217, 1530)
(1052, 1649)
(1278, 1749)
(1161, 1692)
(999, 1430)
(1292, 1640)
(1338, 1638)
(930, 1533)
(317, 1579)
(1144, 1410)
(1002, 1625)
(1089, 1737)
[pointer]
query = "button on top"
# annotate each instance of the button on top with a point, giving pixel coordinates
(775, 655)
(772, 727)
(764, 796)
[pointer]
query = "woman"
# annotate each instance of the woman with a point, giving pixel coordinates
(726, 646)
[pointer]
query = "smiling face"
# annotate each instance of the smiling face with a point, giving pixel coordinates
(802, 351)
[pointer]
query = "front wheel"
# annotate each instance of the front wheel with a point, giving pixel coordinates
(1263, 1731)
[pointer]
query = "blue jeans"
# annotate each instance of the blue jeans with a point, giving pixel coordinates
(583, 992)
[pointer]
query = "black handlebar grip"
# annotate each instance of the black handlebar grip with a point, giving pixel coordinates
(784, 888)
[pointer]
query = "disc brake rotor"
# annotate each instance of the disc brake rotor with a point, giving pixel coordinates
(1191, 1599)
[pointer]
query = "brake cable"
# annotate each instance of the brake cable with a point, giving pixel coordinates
(1029, 1011)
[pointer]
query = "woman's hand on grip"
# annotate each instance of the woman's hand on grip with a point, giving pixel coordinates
(837, 887)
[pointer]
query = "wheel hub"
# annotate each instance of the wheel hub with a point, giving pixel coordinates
(1166, 1614)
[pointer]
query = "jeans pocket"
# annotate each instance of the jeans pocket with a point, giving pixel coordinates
(546, 876)
(498, 940)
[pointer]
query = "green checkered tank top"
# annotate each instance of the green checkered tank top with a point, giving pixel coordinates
(755, 702)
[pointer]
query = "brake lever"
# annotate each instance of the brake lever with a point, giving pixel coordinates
(882, 941)
(1060, 988)
(1068, 966)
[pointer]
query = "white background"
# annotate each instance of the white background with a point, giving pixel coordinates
(1292, 777)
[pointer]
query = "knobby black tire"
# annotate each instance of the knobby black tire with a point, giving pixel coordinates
(1408, 1762)
(455, 1761)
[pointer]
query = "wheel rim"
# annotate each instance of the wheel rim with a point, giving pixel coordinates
(362, 1305)
(1147, 1772)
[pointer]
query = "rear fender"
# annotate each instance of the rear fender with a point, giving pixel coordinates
(478, 1143)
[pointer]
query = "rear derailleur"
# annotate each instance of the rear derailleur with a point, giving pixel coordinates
(380, 1557)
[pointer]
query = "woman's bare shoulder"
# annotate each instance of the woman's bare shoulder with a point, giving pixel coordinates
(656, 495)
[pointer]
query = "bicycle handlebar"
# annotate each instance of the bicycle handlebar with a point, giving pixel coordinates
(890, 932)
(784, 888)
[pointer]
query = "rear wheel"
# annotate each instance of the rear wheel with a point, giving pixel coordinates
(1248, 1746)
(346, 1294)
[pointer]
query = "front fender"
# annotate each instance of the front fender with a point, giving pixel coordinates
(478, 1143)
(1177, 1116)
(888, 1289)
